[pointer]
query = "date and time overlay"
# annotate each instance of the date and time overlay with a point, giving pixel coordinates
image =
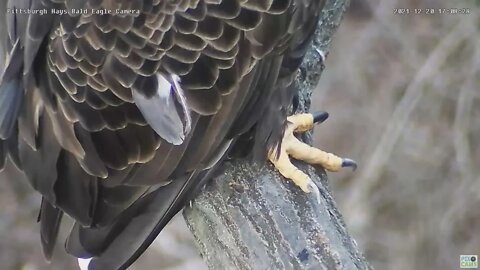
(431, 11)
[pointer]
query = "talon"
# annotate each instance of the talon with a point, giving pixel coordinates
(291, 146)
(321, 53)
(312, 187)
(320, 117)
(346, 162)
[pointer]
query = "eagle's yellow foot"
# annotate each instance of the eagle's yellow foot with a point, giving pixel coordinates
(291, 146)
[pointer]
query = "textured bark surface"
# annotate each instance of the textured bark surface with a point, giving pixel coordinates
(249, 217)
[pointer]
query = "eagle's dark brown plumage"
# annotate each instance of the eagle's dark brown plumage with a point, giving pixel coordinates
(86, 114)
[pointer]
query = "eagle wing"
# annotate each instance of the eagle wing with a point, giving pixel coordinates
(117, 113)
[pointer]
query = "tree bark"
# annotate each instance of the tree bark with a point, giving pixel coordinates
(250, 217)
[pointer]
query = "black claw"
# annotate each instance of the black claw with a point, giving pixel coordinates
(319, 117)
(346, 162)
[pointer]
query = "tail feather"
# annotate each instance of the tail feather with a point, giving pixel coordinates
(120, 244)
(50, 219)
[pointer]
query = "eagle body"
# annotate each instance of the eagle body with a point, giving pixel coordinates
(117, 111)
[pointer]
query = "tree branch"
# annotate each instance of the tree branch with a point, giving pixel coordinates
(250, 217)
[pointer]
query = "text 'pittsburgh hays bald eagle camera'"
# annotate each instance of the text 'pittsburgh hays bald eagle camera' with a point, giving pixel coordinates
(117, 111)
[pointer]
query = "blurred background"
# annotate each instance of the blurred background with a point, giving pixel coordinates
(403, 94)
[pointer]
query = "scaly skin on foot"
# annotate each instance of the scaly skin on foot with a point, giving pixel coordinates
(291, 146)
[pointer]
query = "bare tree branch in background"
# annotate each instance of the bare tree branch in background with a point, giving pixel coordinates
(252, 218)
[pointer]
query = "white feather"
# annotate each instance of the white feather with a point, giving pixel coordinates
(162, 113)
(164, 87)
(83, 263)
(183, 101)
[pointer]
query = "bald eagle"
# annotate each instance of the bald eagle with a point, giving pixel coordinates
(118, 111)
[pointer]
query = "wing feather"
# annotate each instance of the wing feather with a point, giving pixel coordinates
(11, 94)
(124, 117)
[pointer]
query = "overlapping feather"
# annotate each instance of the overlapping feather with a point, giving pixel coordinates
(96, 138)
